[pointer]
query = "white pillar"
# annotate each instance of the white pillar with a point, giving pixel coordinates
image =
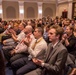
(1, 12)
(39, 9)
(21, 10)
(70, 10)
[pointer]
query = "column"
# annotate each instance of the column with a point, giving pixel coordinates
(39, 9)
(1, 13)
(21, 10)
(70, 10)
(57, 11)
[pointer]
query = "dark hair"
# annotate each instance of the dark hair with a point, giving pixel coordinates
(0, 19)
(1, 30)
(40, 29)
(5, 23)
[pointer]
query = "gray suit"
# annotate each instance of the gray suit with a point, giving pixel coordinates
(55, 62)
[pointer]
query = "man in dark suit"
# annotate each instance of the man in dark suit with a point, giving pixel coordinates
(55, 57)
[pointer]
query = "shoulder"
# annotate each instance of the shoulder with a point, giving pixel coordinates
(43, 41)
(61, 47)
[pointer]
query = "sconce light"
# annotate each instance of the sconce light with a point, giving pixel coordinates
(0, 11)
(21, 11)
(40, 11)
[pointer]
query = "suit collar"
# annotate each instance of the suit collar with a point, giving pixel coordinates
(53, 51)
(55, 44)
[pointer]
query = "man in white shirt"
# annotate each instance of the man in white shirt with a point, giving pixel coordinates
(21, 49)
(8, 45)
(37, 49)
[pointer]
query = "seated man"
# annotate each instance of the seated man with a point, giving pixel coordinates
(22, 47)
(16, 39)
(37, 49)
(69, 40)
(56, 55)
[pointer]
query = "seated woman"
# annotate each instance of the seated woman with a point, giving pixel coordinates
(2, 66)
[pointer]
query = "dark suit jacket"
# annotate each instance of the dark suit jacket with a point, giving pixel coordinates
(55, 62)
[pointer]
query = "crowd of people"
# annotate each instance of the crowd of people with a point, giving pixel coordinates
(44, 46)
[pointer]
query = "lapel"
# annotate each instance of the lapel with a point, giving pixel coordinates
(52, 52)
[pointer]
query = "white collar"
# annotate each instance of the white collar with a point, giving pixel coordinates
(55, 44)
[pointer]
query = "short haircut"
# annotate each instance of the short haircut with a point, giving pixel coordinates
(59, 30)
(40, 30)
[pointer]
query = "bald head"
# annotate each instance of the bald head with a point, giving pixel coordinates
(29, 28)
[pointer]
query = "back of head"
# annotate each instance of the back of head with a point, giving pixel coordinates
(0, 19)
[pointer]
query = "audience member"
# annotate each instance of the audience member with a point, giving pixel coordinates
(69, 40)
(37, 49)
(22, 47)
(56, 55)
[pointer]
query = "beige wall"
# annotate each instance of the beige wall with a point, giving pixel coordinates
(12, 8)
(30, 10)
(49, 9)
(62, 7)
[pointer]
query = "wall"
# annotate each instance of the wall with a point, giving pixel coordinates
(6, 6)
(51, 9)
(61, 8)
(33, 8)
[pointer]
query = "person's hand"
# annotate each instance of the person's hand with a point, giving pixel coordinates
(64, 37)
(37, 61)
(22, 41)
(73, 72)
(12, 52)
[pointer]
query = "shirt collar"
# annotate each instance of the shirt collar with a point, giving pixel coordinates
(37, 40)
(55, 44)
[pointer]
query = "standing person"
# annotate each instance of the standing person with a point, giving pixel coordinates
(55, 57)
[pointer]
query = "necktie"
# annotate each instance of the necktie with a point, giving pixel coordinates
(49, 54)
(36, 42)
(34, 45)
